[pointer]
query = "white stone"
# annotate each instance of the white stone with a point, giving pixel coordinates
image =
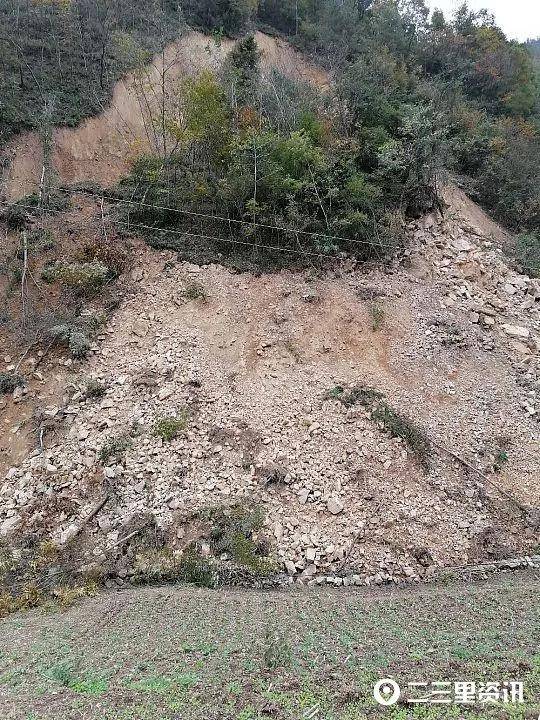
(516, 331)
(335, 506)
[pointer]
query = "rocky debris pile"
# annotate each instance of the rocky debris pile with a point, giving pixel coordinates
(475, 276)
(223, 397)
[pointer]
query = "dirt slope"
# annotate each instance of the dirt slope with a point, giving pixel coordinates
(456, 348)
(101, 148)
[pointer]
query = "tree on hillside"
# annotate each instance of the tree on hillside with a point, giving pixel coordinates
(243, 72)
(231, 16)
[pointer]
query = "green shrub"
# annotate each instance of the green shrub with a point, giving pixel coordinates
(233, 532)
(79, 344)
(86, 278)
(195, 291)
(74, 337)
(168, 428)
(528, 253)
(9, 382)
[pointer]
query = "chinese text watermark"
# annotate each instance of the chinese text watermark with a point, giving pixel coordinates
(387, 692)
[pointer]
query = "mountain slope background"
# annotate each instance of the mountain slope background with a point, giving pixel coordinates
(256, 332)
(252, 331)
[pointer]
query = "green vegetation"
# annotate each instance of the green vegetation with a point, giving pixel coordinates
(84, 278)
(195, 291)
(236, 533)
(415, 96)
(397, 425)
(205, 655)
(377, 315)
(168, 428)
(392, 422)
(73, 336)
(36, 575)
(528, 253)
(60, 58)
(326, 173)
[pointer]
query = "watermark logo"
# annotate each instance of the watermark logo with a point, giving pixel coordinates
(387, 692)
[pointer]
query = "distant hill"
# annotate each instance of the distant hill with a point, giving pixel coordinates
(534, 46)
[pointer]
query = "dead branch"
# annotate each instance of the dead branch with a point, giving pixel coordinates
(99, 506)
(484, 477)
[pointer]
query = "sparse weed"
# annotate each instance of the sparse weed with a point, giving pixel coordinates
(393, 422)
(94, 389)
(195, 291)
(501, 459)
(398, 425)
(66, 596)
(277, 651)
(197, 570)
(377, 315)
(358, 395)
(115, 447)
(168, 428)
(9, 382)
(41, 240)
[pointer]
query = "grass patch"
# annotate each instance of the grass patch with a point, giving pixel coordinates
(162, 565)
(393, 422)
(168, 428)
(65, 674)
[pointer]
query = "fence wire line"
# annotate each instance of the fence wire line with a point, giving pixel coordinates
(184, 233)
(294, 231)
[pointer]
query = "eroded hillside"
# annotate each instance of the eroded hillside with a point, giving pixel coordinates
(101, 149)
(382, 419)
(266, 378)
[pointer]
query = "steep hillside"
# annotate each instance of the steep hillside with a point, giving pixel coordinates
(270, 380)
(101, 149)
(345, 422)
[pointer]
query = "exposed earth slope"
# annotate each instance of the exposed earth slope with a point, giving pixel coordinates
(101, 149)
(449, 336)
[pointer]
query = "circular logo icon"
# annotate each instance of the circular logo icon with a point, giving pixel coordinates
(387, 692)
